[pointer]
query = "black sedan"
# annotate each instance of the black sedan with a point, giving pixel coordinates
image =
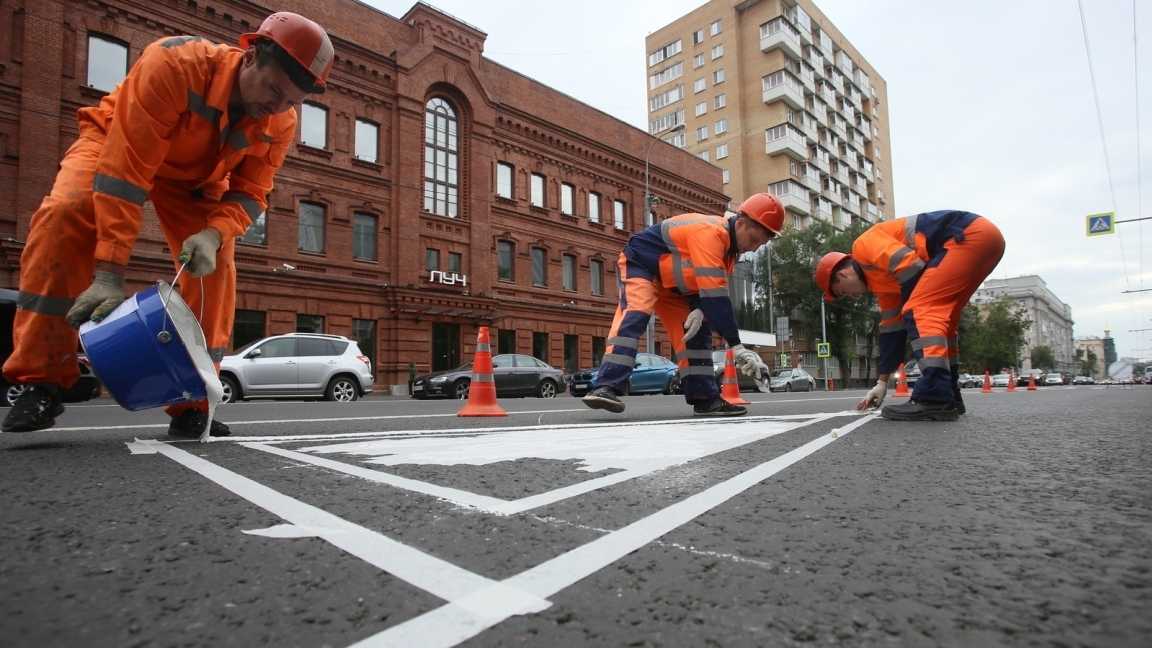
(514, 374)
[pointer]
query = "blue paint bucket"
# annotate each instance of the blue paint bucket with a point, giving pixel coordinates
(148, 356)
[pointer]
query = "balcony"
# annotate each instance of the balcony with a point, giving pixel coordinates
(810, 176)
(782, 85)
(788, 140)
(864, 125)
(851, 205)
(832, 194)
(823, 211)
(821, 163)
(844, 64)
(856, 141)
(860, 78)
(794, 196)
(778, 34)
(839, 173)
(866, 171)
(808, 78)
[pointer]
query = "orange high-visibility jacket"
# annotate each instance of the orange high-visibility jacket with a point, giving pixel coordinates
(168, 120)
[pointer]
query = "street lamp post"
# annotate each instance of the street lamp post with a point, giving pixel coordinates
(648, 215)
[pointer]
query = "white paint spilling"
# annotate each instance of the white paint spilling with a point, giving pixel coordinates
(193, 337)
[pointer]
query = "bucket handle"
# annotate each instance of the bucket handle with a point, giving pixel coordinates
(164, 337)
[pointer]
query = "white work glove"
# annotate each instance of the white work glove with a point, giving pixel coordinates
(746, 361)
(875, 396)
(692, 324)
(101, 298)
(198, 253)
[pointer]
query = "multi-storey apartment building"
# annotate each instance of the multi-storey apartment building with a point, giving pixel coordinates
(429, 192)
(1051, 318)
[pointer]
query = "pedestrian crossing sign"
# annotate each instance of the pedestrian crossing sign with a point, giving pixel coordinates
(1102, 224)
(824, 350)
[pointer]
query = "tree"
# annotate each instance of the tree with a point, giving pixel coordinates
(1042, 357)
(990, 335)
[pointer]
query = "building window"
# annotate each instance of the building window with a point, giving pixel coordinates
(539, 267)
(537, 190)
(664, 76)
(698, 37)
(670, 96)
(311, 227)
(720, 101)
(431, 259)
(593, 206)
(721, 126)
(540, 345)
(678, 140)
(667, 121)
(314, 125)
(725, 176)
(257, 232)
(598, 344)
(697, 61)
(569, 272)
(701, 133)
(364, 236)
(504, 254)
(504, 173)
(455, 262)
(699, 84)
(309, 323)
(441, 150)
(107, 62)
(705, 155)
(716, 27)
(367, 140)
(248, 326)
(567, 198)
(701, 108)
(597, 282)
(364, 333)
(619, 209)
(717, 76)
(506, 341)
(722, 151)
(717, 51)
(668, 51)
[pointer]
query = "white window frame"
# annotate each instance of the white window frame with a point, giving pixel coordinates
(505, 179)
(102, 72)
(539, 182)
(701, 108)
(594, 206)
(700, 85)
(722, 151)
(367, 140)
(721, 126)
(719, 101)
(717, 51)
(314, 125)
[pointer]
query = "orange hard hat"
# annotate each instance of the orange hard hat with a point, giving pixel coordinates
(301, 38)
(824, 270)
(766, 209)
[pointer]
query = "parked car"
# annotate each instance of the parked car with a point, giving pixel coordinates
(514, 374)
(1036, 374)
(653, 375)
(298, 365)
(911, 373)
(1001, 380)
(1054, 379)
(787, 380)
(746, 383)
(86, 388)
(1083, 380)
(966, 381)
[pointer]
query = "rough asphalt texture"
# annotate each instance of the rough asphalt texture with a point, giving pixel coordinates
(1026, 523)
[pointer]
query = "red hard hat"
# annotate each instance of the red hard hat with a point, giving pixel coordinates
(824, 270)
(301, 38)
(766, 209)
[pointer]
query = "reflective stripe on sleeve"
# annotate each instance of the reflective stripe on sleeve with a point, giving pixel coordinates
(199, 105)
(890, 313)
(916, 268)
(714, 292)
(118, 188)
(251, 207)
(711, 272)
(43, 304)
(892, 328)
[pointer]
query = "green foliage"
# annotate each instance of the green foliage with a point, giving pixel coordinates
(1087, 366)
(991, 334)
(1043, 358)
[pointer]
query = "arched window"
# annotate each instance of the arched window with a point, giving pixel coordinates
(441, 158)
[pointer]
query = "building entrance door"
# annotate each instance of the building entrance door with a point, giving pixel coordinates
(445, 346)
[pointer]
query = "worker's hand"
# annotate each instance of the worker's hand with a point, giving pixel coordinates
(692, 324)
(198, 253)
(746, 361)
(875, 396)
(101, 298)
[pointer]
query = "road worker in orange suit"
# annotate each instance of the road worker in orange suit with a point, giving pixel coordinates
(923, 269)
(200, 130)
(679, 269)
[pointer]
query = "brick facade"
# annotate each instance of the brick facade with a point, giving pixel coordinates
(386, 71)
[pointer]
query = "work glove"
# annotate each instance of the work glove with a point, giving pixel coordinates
(875, 396)
(746, 361)
(101, 298)
(198, 254)
(692, 324)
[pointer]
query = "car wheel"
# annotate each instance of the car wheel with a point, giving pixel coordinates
(341, 389)
(673, 385)
(547, 389)
(12, 393)
(231, 390)
(787, 386)
(460, 389)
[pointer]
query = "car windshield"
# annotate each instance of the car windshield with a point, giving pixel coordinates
(781, 373)
(464, 367)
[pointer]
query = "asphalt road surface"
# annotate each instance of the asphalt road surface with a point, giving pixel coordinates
(392, 522)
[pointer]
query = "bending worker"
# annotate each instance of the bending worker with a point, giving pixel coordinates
(200, 130)
(923, 269)
(679, 268)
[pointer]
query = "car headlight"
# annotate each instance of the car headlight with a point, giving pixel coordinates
(438, 379)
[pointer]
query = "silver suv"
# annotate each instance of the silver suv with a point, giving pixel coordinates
(297, 365)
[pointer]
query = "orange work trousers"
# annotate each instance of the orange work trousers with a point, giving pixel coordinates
(59, 261)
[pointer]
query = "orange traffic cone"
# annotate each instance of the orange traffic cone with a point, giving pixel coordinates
(482, 391)
(1031, 382)
(1012, 381)
(729, 385)
(987, 384)
(901, 383)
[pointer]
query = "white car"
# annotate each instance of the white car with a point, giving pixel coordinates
(1001, 380)
(298, 365)
(1053, 379)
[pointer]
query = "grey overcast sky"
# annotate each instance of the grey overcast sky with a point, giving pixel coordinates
(992, 111)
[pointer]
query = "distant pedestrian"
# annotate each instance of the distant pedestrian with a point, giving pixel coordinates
(923, 269)
(679, 269)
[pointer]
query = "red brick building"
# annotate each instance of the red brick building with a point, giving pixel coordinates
(430, 192)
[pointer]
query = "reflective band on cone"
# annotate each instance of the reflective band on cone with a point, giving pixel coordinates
(987, 384)
(1012, 381)
(482, 391)
(901, 383)
(729, 385)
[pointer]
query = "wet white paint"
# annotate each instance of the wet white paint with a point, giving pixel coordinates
(192, 336)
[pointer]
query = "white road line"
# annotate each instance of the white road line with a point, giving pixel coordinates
(452, 624)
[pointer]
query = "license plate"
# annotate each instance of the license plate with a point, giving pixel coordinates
(417, 388)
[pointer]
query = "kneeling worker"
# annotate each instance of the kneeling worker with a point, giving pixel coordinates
(923, 269)
(679, 269)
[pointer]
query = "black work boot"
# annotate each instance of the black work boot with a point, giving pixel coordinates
(604, 398)
(35, 409)
(959, 400)
(718, 407)
(190, 425)
(918, 410)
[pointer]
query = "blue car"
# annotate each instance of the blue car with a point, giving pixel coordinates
(653, 375)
